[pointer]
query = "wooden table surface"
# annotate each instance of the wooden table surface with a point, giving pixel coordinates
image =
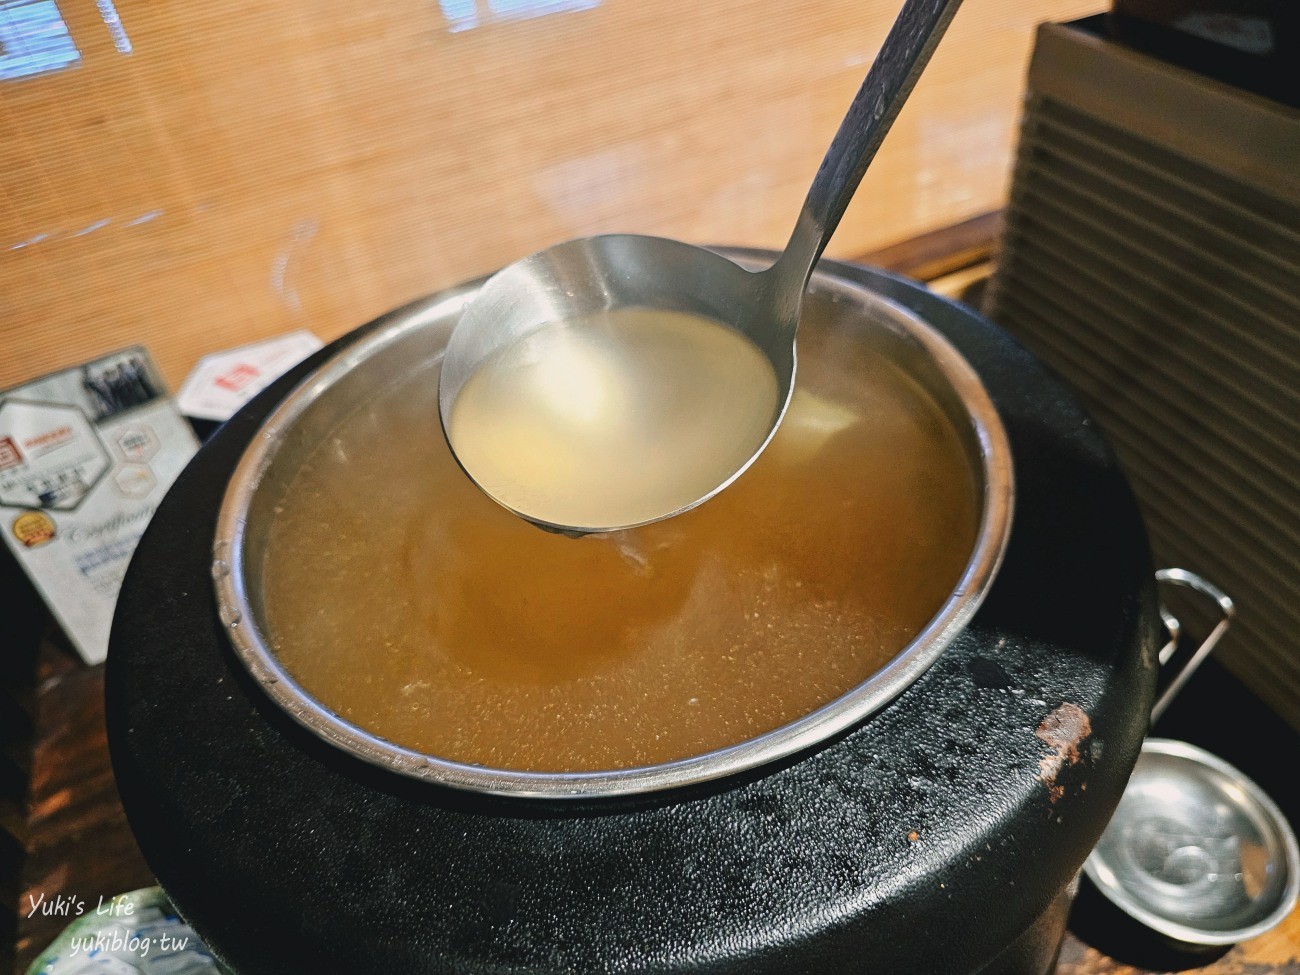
(198, 176)
(78, 841)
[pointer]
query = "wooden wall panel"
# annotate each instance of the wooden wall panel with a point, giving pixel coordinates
(224, 171)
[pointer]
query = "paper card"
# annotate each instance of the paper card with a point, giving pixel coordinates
(86, 454)
(223, 382)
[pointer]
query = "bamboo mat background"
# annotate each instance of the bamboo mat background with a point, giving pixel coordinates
(201, 175)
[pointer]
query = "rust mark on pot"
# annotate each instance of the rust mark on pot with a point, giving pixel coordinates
(1063, 731)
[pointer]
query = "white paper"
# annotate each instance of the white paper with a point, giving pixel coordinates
(223, 382)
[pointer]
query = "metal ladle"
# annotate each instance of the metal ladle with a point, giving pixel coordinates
(593, 274)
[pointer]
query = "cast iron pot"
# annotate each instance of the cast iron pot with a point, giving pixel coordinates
(940, 835)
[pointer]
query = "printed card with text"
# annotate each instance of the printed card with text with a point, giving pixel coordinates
(86, 454)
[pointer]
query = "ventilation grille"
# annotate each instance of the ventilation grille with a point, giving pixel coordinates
(1167, 291)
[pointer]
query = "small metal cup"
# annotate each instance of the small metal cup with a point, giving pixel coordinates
(1196, 851)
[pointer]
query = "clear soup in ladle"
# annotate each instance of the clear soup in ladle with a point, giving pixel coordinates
(614, 419)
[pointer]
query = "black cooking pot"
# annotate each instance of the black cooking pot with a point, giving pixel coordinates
(941, 834)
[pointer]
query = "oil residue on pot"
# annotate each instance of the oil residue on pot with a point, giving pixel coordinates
(409, 603)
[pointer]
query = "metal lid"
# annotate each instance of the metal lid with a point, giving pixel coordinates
(1196, 851)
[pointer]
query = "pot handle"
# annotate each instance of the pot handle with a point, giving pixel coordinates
(1227, 610)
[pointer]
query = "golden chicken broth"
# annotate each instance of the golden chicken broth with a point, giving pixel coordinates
(408, 602)
(614, 419)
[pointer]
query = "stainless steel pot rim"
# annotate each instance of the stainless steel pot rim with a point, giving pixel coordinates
(1099, 873)
(254, 650)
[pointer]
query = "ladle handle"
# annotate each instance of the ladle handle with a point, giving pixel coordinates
(902, 58)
